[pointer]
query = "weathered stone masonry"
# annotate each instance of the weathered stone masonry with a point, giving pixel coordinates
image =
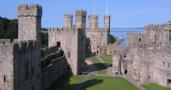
(146, 58)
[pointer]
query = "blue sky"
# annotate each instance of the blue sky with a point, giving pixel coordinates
(124, 13)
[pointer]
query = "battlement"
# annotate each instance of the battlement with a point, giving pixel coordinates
(93, 17)
(152, 27)
(93, 21)
(166, 26)
(30, 10)
(80, 13)
(68, 15)
(24, 45)
(73, 29)
(5, 41)
(107, 17)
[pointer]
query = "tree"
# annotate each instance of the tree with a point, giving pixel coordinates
(112, 39)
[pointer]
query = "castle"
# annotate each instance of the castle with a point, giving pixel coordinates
(24, 65)
(27, 66)
(146, 58)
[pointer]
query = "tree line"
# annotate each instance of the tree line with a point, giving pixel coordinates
(9, 30)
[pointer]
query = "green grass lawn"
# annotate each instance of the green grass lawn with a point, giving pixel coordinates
(99, 66)
(107, 58)
(94, 59)
(153, 86)
(112, 84)
(93, 83)
(67, 83)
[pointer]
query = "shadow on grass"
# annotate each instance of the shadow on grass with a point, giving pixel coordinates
(98, 67)
(65, 83)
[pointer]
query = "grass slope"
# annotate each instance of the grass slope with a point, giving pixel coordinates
(153, 86)
(107, 58)
(98, 65)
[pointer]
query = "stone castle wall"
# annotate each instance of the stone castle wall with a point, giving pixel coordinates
(53, 64)
(147, 57)
(29, 22)
(97, 38)
(72, 42)
(22, 69)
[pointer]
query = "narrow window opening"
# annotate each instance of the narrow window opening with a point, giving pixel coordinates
(58, 44)
(4, 78)
(139, 39)
(126, 71)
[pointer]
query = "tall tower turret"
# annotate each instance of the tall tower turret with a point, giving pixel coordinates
(29, 22)
(81, 18)
(93, 21)
(68, 19)
(107, 23)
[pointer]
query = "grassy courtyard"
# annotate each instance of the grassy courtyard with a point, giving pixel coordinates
(66, 83)
(153, 86)
(98, 65)
(107, 58)
(112, 84)
(93, 83)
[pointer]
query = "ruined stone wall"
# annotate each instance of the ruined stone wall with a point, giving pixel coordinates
(72, 42)
(54, 65)
(158, 35)
(20, 66)
(135, 38)
(149, 58)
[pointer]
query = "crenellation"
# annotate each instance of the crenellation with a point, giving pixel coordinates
(29, 10)
(5, 41)
(80, 13)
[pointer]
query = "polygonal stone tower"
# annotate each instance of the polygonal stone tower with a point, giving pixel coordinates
(107, 26)
(29, 22)
(107, 23)
(68, 19)
(81, 19)
(93, 21)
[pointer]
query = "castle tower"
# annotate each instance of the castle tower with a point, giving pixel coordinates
(29, 22)
(93, 21)
(107, 23)
(81, 18)
(68, 19)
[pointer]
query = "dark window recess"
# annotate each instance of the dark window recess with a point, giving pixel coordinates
(126, 71)
(169, 81)
(4, 78)
(139, 39)
(58, 44)
(125, 55)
